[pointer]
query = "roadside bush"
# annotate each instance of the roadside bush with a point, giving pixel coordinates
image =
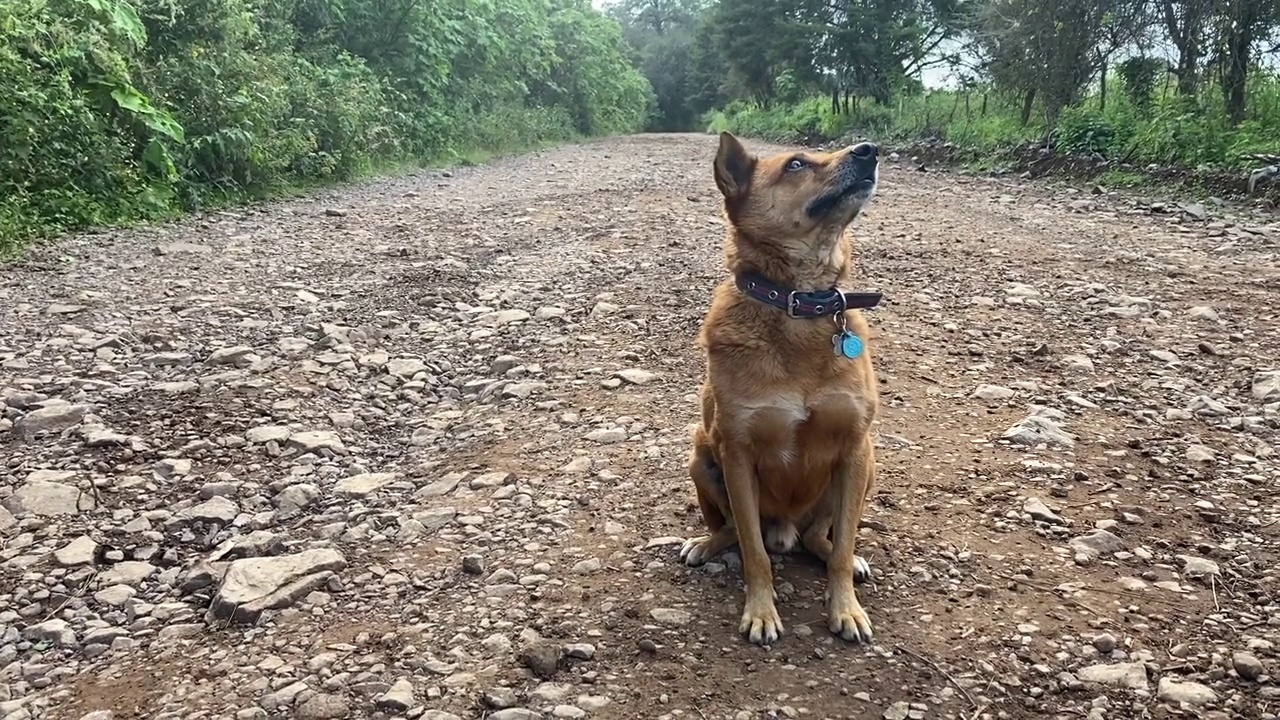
(1160, 128)
(120, 110)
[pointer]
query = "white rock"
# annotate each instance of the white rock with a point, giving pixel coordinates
(1190, 693)
(78, 552)
(1123, 675)
(254, 585)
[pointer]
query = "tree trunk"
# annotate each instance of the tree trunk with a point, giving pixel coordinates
(1028, 102)
(1236, 76)
(1102, 88)
(983, 112)
(1188, 63)
(835, 101)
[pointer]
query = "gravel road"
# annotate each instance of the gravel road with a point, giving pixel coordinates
(415, 448)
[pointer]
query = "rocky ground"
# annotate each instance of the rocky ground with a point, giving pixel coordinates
(416, 449)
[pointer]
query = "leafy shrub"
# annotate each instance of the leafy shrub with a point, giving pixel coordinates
(127, 109)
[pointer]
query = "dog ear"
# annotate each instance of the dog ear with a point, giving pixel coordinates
(733, 166)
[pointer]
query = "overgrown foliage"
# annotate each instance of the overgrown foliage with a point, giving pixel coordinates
(1080, 75)
(115, 110)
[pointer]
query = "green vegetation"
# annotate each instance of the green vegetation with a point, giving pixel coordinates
(1077, 76)
(117, 110)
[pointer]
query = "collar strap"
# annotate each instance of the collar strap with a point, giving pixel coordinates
(820, 303)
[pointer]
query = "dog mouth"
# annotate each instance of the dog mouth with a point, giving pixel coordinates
(855, 181)
(856, 188)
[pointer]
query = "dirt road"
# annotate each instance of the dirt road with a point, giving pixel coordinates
(451, 412)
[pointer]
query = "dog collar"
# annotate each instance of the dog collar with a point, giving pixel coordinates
(820, 303)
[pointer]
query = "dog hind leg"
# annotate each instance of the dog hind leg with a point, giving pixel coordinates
(708, 483)
(817, 540)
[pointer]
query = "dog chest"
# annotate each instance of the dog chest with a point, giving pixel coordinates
(790, 426)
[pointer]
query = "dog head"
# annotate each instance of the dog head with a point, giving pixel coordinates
(797, 197)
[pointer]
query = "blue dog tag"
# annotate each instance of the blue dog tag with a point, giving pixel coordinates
(847, 345)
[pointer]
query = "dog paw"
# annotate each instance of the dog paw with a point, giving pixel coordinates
(696, 551)
(847, 619)
(861, 569)
(761, 623)
(781, 537)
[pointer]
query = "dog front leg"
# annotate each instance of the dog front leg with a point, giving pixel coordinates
(854, 478)
(760, 621)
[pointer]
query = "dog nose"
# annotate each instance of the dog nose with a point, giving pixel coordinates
(865, 151)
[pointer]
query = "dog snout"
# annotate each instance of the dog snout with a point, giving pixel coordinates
(861, 160)
(865, 151)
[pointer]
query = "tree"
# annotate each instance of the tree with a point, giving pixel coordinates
(1050, 49)
(1186, 23)
(1241, 25)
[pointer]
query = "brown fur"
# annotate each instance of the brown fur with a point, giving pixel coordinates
(785, 441)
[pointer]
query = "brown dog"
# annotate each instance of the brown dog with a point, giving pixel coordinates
(790, 393)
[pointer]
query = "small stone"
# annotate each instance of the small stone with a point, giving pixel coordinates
(500, 698)
(473, 565)
(671, 617)
(363, 484)
(1094, 545)
(1036, 508)
(1198, 568)
(1105, 643)
(1038, 430)
(1200, 454)
(268, 433)
(237, 355)
(55, 632)
(127, 572)
(323, 706)
(607, 436)
(515, 714)
(586, 567)
(900, 710)
(1266, 386)
(80, 551)
(636, 376)
(1077, 364)
(1248, 666)
(217, 510)
(542, 658)
(398, 698)
(1203, 312)
(315, 441)
(993, 393)
(580, 651)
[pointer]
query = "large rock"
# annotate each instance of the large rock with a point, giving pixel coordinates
(50, 419)
(1186, 692)
(316, 440)
(1036, 430)
(44, 493)
(363, 484)
(217, 510)
(1121, 675)
(255, 585)
(1095, 545)
(1266, 386)
(323, 706)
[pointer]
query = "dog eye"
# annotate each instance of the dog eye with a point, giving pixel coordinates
(796, 164)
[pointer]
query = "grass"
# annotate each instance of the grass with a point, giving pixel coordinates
(987, 130)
